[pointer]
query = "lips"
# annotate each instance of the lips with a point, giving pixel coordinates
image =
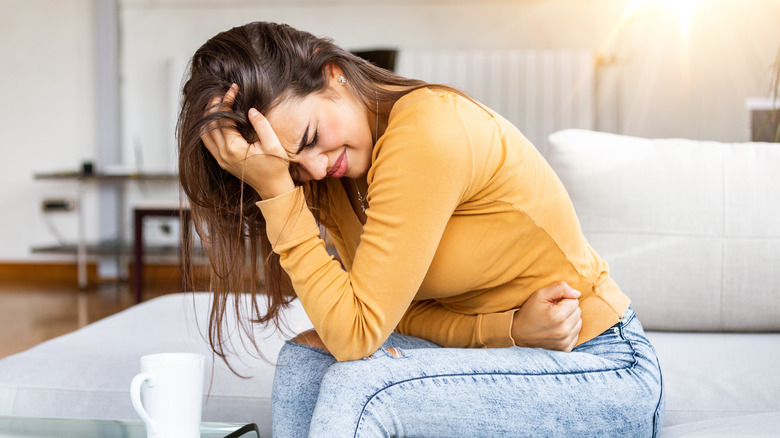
(339, 167)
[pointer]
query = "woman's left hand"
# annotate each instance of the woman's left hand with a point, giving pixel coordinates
(263, 165)
(550, 318)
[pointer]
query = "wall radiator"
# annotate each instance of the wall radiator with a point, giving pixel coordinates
(539, 91)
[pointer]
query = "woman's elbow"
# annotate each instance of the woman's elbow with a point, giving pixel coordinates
(345, 351)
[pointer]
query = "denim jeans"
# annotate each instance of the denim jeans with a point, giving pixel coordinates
(608, 386)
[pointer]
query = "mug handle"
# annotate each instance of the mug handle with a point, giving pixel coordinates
(135, 397)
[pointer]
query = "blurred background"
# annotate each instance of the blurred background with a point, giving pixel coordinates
(96, 82)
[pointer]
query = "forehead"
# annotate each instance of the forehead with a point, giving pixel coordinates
(290, 118)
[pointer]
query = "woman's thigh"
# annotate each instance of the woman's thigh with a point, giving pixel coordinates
(610, 386)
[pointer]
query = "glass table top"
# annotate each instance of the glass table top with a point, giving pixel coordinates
(27, 427)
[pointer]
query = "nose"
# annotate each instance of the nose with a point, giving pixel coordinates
(315, 163)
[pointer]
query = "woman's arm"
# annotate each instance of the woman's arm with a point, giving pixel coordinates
(263, 165)
(422, 171)
(549, 319)
(429, 319)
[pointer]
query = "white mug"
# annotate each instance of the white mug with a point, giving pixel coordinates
(172, 387)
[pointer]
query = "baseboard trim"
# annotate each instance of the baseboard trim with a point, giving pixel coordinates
(35, 271)
(68, 272)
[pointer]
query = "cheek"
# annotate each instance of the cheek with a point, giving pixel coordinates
(329, 136)
(330, 140)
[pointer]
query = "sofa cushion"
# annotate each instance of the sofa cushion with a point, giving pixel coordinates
(757, 425)
(711, 376)
(87, 373)
(690, 228)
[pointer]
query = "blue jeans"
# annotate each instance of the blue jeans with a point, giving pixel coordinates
(608, 386)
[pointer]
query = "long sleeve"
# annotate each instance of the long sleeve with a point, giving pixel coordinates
(418, 178)
(430, 320)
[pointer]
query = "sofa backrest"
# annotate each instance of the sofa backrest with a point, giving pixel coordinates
(690, 229)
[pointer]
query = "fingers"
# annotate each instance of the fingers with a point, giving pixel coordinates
(565, 316)
(214, 104)
(566, 322)
(562, 291)
(225, 102)
(221, 139)
(574, 324)
(213, 135)
(259, 122)
(262, 127)
(267, 137)
(229, 98)
(565, 310)
(557, 292)
(567, 292)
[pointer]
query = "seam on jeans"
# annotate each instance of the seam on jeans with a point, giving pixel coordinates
(609, 370)
(621, 325)
(657, 427)
(374, 395)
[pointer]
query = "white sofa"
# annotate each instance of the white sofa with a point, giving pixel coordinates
(691, 231)
(87, 373)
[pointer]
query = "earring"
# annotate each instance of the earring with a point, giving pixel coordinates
(342, 79)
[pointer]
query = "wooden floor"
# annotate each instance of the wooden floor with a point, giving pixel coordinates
(32, 311)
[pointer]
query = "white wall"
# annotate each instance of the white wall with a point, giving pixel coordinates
(661, 84)
(46, 120)
(695, 85)
(156, 31)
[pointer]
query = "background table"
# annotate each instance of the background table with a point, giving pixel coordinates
(155, 210)
(28, 427)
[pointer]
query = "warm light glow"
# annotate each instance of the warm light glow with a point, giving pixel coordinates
(683, 8)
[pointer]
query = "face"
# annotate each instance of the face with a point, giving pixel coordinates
(325, 134)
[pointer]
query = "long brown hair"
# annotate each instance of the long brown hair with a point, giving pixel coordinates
(270, 63)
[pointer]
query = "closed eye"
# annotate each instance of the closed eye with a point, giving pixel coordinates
(312, 143)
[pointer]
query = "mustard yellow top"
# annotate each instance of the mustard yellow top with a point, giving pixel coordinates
(465, 221)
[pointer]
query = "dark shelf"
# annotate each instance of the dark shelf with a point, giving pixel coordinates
(106, 249)
(136, 176)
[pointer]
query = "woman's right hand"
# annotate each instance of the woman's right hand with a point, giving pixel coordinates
(550, 318)
(264, 164)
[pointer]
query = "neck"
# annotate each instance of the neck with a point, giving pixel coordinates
(355, 190)
(362, 183)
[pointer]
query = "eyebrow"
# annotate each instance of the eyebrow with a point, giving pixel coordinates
(303, 140)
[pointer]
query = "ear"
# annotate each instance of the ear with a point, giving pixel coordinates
(333, 72)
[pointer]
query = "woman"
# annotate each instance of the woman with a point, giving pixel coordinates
(451, 230)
